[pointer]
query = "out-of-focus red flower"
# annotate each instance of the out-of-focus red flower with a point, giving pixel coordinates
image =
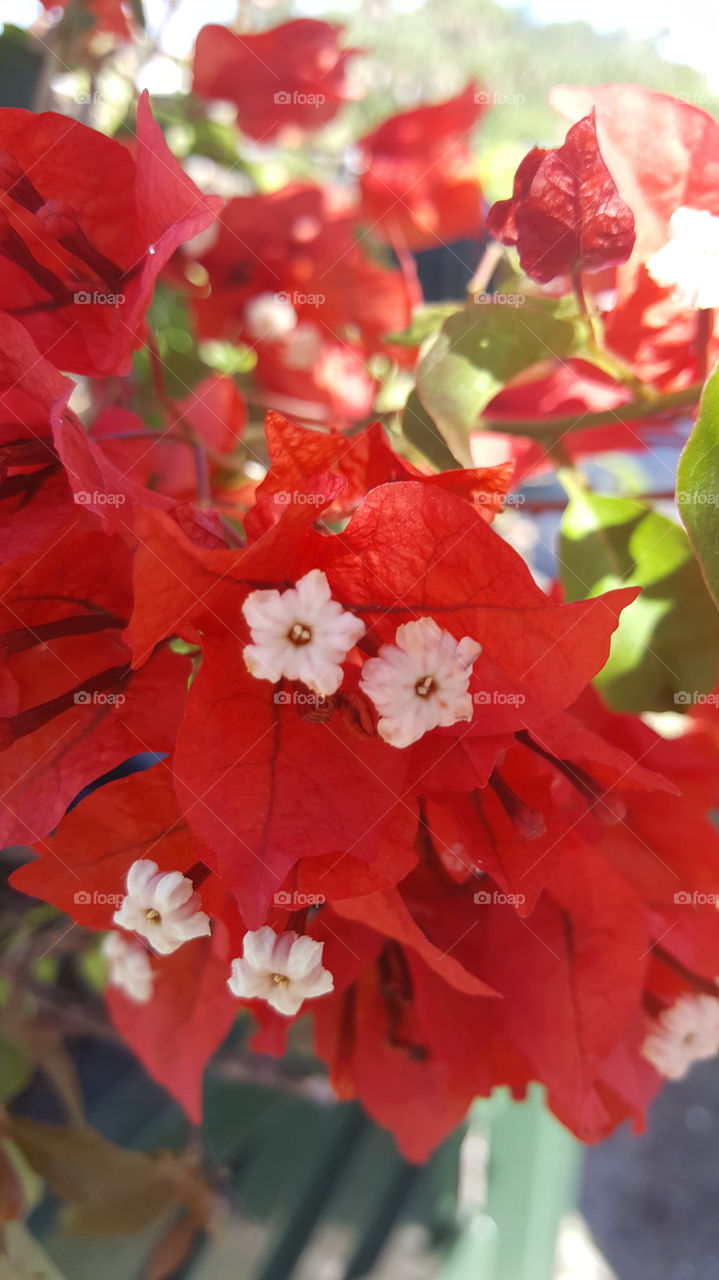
(312, 375)
(35, 500)
(419, 183)
(565, 214)
(292, 259)
(216, 412)
(662, 153)
(85, 229)
(288, 276)
(291, 76)
(656, 334)
(118, 464)
(187, 1018)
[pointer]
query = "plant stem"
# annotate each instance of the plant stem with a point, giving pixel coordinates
(583, 306)
(671, 402)
(705, 332)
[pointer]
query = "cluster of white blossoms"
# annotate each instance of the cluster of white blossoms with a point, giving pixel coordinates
(684, 1033)
(285, 970)
(689, 261)
(128, 966)
(162, 906)
(420, 682)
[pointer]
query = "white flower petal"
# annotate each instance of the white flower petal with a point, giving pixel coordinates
(689, 261)
(304, 956)
(269, 317)
(247, 983)
(258, 948)
(140, 875)
(129, 967)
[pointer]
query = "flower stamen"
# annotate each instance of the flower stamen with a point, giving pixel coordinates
(299, 634)
(425, 687)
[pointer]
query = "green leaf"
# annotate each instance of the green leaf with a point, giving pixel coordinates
(698, 485)
(666, 647)
(227, 357)
(420, 430)
(425, 322)
(216, 141)
(22, 1258)
(15, 1069)
(110, 1191)
(21, 64)
(20, 1188)
(138, 13)
(479, 349)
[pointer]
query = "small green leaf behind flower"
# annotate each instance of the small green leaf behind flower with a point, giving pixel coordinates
(666, 647)
(698, 485)
(481, 348)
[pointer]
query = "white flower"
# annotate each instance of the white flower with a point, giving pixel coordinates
(301, 634)
(162, 906)
(683, 1034)
(128, 966)
(689, 261)
(270, 316)
(303, 347)
(421, 681)
(285, 970)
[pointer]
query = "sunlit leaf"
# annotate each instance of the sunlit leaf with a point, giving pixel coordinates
(425, 321)
(110, 1191)
(15, 1068)
(23, 1257)
(698, 485)
(479, 349)
(666, 647)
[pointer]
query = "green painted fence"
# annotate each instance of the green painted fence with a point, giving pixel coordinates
(317, 1192)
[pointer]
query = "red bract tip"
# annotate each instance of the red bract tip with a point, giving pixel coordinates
(565, 214)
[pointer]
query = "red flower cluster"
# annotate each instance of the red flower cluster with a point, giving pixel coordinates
(419, 184)
(86, 226)
(288, 276)
(383, 793)
(292, 77)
